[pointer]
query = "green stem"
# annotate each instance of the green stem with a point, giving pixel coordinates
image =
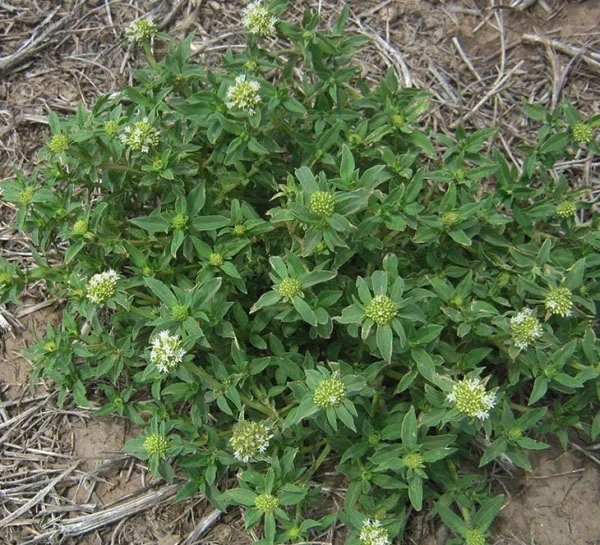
(318, 462)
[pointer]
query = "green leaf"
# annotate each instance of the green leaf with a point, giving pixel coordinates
(291, 494)
(574, 278)
(422, 141)
(415, 492)
(451, 519)
(497, 448)
(487, 513)
(408, 431)
(267, 299)
(317, 277)
(239, 496)
(384, 338)
(540, 387)
(209, 223)
(347, 165)
(152, 224)
(307, 180)
(304, 310)
(459, 236)
(161, 291)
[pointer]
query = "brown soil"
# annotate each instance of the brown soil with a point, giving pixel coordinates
(477, 58)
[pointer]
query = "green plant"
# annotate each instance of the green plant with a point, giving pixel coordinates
(282, 273)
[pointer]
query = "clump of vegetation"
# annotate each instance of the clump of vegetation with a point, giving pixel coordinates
(283, 274)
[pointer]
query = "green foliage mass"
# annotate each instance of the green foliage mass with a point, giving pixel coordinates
(283, 274)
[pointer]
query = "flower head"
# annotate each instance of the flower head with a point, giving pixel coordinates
(25, 195)
(80, 227)
(582, 133)
(156, 445)
(141, 136)
(372, 533)
(414, 460)
(381, 310)
(166, 351)
(525, 328)
(475, 536)
(102, 286)
(559, 301)
(59, 143)
(243, 94)
(258, 19)
(179, 221)
(329, 393)
(249, 439)
(111, 128)
(141, 31)
(266, 503)
(289, 287)
(216, 259)
(565, 209)
(322, 204)
(239, 230)
(470, 398)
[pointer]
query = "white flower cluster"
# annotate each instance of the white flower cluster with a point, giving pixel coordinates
(372, 533)
(258, 19)
(141, 136)
(243, 94)
(470, 398)
(166, 351)
(102, 286)
(526, 328)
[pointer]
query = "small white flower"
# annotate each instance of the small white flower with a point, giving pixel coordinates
(526, 328)
(249, 439)
(243, 94)
(470, 398)
(102, 286)
(141, 136)
(372, 533)
(258, 19)
(166, 351)
(141, 31)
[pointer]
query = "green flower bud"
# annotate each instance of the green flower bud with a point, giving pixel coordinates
(582, 133)
(322, 204)
(381, 310)
(289, 287)
(156, 445)
(474, 536)
(566, 209)
(80, 227)
(330, 393)
(59, 143)
(266, 503)
(216, 260)
(450, 218)
(179, 312)
(25, 195)
(559, 301)
(414, 460)
(179, 221)
(111, 128)
(239, 230)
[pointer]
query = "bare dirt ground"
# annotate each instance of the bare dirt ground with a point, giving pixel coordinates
(63, 478)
